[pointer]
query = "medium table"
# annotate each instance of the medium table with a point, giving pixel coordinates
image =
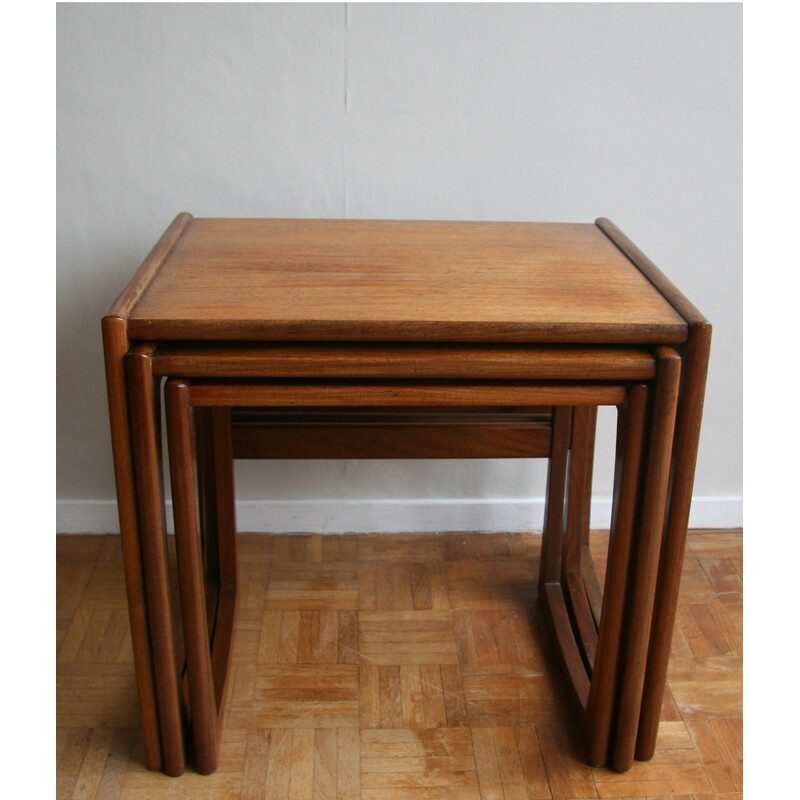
(218, 290)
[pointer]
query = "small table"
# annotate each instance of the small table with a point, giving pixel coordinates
(226, 286)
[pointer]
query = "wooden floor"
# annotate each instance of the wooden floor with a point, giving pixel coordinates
(396, 668)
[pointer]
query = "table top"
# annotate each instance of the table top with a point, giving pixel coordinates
(363, 280)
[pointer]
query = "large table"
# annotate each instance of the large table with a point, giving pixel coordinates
(485, 318)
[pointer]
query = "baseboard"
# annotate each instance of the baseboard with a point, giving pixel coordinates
(390, 516)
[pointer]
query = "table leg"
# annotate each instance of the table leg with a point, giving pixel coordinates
(687, 435)
(560, 553)
(215, 470)
(557, 468)
(145, 434)
(576, 536)
(221, 548)
(591, 583)
(190, 574)
(648, 543)
(631, 426)
(115, 347)
(207, 506)
(551, 592)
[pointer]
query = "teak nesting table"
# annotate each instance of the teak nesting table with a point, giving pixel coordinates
(344, 338)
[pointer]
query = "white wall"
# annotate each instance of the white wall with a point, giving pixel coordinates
(561, 112)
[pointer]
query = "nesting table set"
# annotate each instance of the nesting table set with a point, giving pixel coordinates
(393, 339)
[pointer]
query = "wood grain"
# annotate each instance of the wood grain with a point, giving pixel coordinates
(392, 440)
(410, 394)
(388, 281)
(131, 294)
(370, 360)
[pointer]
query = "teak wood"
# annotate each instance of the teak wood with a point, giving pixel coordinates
(181, 396)
(337, 280)
(631, 431)
(391, 435)
(196, 617)
(561, 585)
(695, 354)
(115, 346)
(648, 543)
(303, 306)
(584, 420)
(146, 438)
(392, 361)
(116, 343)
(245, 393)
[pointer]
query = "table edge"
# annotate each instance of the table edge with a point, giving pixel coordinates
(137, 286)
(665, 287)
(398, 331)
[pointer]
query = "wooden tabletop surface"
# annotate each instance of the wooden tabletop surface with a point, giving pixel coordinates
(358, 280)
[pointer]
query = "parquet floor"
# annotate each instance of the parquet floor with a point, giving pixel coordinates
(396, 667)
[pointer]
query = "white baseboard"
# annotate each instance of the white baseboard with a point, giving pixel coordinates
(390, 516)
